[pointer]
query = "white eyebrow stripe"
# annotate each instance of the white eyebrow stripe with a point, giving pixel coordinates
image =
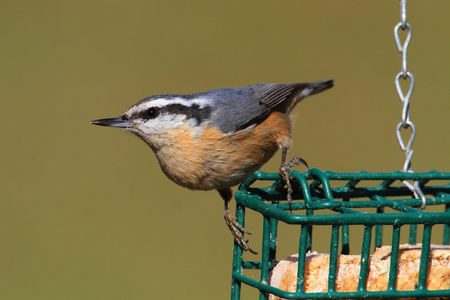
(161, 102)
(201, 103)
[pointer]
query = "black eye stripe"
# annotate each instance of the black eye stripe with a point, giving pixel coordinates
(191, 112)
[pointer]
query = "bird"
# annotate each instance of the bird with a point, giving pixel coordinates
(214, 140)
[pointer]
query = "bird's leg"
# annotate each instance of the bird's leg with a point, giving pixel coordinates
(285, 172)
(236, 229)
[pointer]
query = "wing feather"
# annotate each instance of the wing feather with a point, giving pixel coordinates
(239, 108)
(274, 94)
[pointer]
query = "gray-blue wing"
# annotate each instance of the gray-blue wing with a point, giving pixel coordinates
(238, 108)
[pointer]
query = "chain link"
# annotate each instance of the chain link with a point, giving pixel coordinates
(405, 98)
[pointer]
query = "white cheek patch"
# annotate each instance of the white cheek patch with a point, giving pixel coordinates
(161, 124)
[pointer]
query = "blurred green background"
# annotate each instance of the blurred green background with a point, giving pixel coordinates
(86, 212)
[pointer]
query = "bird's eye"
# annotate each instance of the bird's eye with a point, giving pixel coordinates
(152, 112)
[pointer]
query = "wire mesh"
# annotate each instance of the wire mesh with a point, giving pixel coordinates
(375, 201)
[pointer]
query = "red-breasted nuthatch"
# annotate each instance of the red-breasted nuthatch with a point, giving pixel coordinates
(216, 139)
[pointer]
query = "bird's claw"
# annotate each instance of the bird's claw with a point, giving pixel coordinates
(238, 231)
(287, 177)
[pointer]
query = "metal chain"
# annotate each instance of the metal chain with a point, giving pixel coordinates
(405, 98)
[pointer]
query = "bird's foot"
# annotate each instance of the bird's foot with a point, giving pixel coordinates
(287, 177)
(238, 231)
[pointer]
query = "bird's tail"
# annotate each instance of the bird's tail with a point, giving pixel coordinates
(309, 89)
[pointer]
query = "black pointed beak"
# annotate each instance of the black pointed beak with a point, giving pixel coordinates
(120, 122)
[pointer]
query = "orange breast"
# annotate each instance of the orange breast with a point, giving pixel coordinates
(213, 160)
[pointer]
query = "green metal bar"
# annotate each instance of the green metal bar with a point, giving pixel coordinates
(365, 250)
(316, 173)
(397, 205)
(346, 210)
(304, 188)
(339, 192)
(351, 184)
(345, 229)
(379, 230)
(345, 240)
(237, 257)
(273, 241)
(446, 237)
(265, 255)
(253, 202)
(309, 213)
(315, 184)
(397, 175)
(389, 202)
(324, 180)
(304, 236)
(412, 234)
(251, 265)
(359, 176)
(409, 202)
(386, 183)
(333, 260)
(404, 208)
(424, 257)
(394, 257)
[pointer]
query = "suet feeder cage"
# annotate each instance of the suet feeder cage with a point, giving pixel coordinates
(380, 203)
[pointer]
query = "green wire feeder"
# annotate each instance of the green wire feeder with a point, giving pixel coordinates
(337, 206)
